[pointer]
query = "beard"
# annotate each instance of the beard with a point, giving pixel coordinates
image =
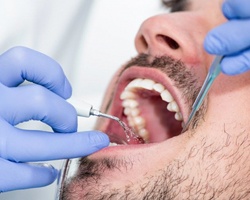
(195, 174)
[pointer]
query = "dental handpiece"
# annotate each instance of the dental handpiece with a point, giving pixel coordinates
(84, 109)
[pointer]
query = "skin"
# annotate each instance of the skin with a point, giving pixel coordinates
(208, 161)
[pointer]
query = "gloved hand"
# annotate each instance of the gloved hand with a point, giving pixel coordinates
(232, 39)
(44, 101)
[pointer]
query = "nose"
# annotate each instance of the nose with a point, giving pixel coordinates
(171, 34)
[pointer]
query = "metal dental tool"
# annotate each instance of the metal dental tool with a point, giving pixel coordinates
(213, 72)
(84, 109)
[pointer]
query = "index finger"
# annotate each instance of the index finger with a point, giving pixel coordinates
(29, 146)
(21, 63)
(236, 9)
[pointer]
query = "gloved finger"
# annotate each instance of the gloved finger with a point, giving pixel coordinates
(28, 146)
(20, 63)
(236, 9)
(16, 176)
(236, 64)
(35, 102)
(228, 38)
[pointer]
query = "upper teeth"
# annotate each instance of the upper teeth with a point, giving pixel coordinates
(132, 111)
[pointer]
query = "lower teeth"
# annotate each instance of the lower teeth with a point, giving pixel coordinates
(112, 144)
(130, 135)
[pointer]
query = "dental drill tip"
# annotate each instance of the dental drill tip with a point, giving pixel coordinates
(100, 114)
(86, 110)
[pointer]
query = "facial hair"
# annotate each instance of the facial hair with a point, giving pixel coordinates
(183, 78)
(172, 181)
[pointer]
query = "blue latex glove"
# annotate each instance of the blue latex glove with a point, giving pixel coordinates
(44, 101)
(232, 39)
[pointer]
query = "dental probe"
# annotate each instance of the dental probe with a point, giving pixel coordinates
(84, 109)
(213, 72)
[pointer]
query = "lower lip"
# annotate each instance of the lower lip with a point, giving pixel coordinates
(117, 148)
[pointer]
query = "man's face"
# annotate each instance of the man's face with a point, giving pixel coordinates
(153, 93)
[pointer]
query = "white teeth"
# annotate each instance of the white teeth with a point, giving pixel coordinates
(178, 116)
(173, 107)
(131, 122)
(133, 84)
(141, 83)
(112, 144)
(127, 95)
(147, 84)
(127, 111)
(139, 122)
(133, 112)
(166, 96)
(131, 105)
(144, 134)
(158, 87)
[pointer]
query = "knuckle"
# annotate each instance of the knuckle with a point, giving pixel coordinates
(246, 59)
(18, 53)
(58, 73)
(39, 95)
(4, 99)
(5, 151)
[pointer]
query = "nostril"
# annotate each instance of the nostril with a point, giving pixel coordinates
(169, 41)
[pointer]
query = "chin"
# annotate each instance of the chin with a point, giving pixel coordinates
(154, 101)
(154, 97)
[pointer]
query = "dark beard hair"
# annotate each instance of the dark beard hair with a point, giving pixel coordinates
(184, 79)
(90, 171)
(174, 180)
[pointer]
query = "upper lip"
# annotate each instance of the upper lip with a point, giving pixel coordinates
(115, 108)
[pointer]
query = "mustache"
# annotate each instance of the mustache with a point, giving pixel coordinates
(182, 76)
(184, 79)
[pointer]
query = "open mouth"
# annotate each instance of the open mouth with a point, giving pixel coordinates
(153, 100)
(149, 103)
(147, 107)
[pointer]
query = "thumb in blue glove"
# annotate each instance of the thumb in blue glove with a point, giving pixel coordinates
(232, 39)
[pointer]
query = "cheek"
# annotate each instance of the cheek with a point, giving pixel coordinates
(229, 83)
